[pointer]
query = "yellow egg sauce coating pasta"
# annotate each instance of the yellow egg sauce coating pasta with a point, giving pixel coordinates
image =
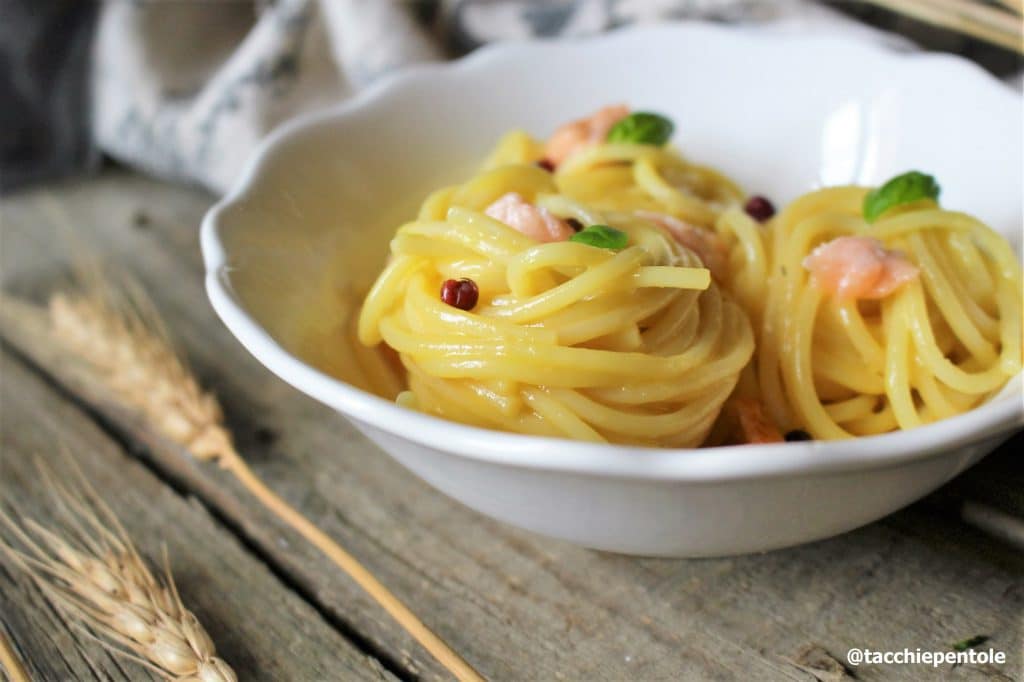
(636, 345)
(641, 345)
(939, 345)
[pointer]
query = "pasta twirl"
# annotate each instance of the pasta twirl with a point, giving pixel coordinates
(940, 344)
(603, 287)
(634, 345)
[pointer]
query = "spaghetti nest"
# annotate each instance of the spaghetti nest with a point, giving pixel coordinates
(631, 345)
(603, 287)
(938, 345)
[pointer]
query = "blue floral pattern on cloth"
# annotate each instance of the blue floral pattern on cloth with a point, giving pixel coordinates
(185, 90)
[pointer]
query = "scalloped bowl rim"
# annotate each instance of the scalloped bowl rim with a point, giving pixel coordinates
(596, 459)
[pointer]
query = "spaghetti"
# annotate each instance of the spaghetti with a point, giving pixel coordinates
(934, 346)
(630, 345)
(603, 287)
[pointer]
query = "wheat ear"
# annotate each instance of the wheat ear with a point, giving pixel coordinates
(90, 570)
(121, 335)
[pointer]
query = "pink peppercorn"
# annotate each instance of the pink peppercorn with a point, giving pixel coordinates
(460, 293)
(546, 164)
(759, 208)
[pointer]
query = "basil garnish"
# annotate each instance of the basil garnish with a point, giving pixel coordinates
(902, 189)
(601, 236)
(642, 127)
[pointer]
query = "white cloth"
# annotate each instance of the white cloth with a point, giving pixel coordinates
(185, 90)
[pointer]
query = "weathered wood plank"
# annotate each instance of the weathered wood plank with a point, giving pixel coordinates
(518, 606)
(259, 626)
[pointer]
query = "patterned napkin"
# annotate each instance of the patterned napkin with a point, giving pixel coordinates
(185, 90)
(191, 103)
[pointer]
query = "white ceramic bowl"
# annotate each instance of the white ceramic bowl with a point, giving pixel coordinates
(321, 198)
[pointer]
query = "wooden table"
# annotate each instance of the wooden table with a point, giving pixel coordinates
(517, 606)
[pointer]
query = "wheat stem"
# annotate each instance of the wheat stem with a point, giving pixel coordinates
(1014, 5)
(119, 333)
(986, 23)
(437, 647)
(9, 661)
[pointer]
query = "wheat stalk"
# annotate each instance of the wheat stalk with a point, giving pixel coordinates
(1013, 5)
(982, 21)
(10, 665)
(120, 334)
(90, 570)
(142, 369)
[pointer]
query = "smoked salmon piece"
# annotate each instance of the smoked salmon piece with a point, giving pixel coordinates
(708, 246)
(859, 268)
(576, 135)
(535, 222)
(755, 426)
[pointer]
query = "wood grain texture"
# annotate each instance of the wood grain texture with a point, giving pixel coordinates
(515, 605)
(263, 629)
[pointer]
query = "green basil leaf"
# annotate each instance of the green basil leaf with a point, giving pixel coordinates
(902, 189)
(601, 236)
(642, 127)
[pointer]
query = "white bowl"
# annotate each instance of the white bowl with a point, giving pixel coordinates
(320, 199)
